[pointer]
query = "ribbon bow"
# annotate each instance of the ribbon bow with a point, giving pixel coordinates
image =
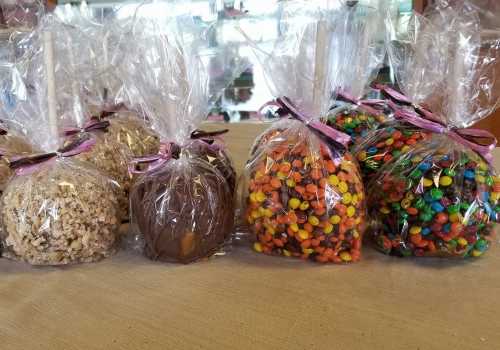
(371, 106)
(321, 129)
(481, 141)
(92, 124)
(27, 164)
(169, 150)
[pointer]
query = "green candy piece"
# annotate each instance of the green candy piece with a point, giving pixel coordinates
(436, 193)
(449, 172)
(497, 208)
(464, 206)
(407, 132)
(481, 226)
(489, 181)
(396, 206)
(419, 203)
(403, 215)
(481, 245)
(453, 209)
(452, 245)
(416, 174)
(424, 216)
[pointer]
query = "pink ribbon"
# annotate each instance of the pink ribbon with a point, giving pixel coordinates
(288, 108)
(468, 137)
(371, 106)
(24, 165)
(92, 124)
(167, 151)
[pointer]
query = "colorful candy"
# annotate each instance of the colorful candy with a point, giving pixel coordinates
(356, 123)
(304, 199)
(440, 199)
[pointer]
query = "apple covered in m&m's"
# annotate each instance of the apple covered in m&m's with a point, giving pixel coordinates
(305, 198)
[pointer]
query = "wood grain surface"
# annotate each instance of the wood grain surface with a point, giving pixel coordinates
(245, 300)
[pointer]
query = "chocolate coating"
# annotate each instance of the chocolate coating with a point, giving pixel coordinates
(184, 210)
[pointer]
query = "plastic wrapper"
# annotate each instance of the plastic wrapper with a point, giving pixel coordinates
(358, 48)
(55, 210)
(439, 194)
(182, 205)
(302, 194)
(21, 13)
(11, 144)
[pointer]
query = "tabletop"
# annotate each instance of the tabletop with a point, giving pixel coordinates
(245, 300)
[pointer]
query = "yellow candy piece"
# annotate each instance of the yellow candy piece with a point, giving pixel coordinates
(304, 205)
(409, 196)
(294, 227)
(427, 182)
(345, 256)
(351, 211)
(389, 141)
(496, 179)
(405, 203)
(480, 179)
(343, 187)
(260, 196)
(281, 176)
(286, 253)
(255, 214)
(257, 247)
(346, 198)
(333, 180)
(270, 230)
(358, 220)
(415, 230)
(313, 220)
(455, 217)
(328, 228)
(416, 159)
(355, 234)
(476, 253)
(253, 197)
(258, 174)
(405, 149)
(385, 210)
(462, 241)
(445, 181)
(495, 196)
(294, 203)
(267, 213)
(290, 183)
(362, 117)
(362, 156)
(307, 251)
(483, 166)
(335, 219)
(303, 234)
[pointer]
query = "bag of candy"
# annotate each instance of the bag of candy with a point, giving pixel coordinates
(359, 51)
(182, 204)
(437, 193)
(55, 210)
(302, 194)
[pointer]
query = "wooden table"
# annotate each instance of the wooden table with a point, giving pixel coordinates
(246, 300)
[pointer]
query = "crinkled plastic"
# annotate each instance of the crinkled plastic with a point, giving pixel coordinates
(55, 210)
(359, 51)
(433, 195)
(11, 144)
(182, 205)
(302, 194)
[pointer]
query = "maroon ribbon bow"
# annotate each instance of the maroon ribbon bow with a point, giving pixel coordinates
(27, 164)
(481, 141)
(92, 124)
(169, 150)
(319, 128)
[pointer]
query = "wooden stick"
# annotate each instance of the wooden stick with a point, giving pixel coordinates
(319, 66)
(48, 58)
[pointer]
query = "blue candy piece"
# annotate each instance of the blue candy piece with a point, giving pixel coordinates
(446, 157)
(424, 166)
(437, 207)
(372, 150)
(446, 228)
(364, 132)
(485, 196)
(469, 174)
(427, 197)
(489, 210)
(425, 231)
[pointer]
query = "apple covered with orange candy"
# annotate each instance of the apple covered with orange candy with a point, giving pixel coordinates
(304, 197)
